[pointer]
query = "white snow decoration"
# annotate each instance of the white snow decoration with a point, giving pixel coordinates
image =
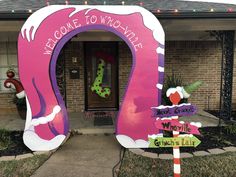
(173, 90)
(128, 142)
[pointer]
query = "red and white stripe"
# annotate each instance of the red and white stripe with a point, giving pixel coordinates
(176, 153)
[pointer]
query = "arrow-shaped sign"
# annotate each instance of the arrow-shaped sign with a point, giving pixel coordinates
(184, 109)
(174, 142)
(175, 125)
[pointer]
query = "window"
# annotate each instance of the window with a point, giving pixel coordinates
(8, 60)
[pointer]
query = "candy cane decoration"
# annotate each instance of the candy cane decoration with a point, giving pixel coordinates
(175, 95)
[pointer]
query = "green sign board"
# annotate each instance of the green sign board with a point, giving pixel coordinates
(174, 142)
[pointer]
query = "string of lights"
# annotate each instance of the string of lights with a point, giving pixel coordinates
(158, 11)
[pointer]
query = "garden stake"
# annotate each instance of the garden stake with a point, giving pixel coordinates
(167, 118)
(175, 98)
(176, 153)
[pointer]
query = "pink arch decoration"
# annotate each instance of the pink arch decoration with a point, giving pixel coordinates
(42, 37)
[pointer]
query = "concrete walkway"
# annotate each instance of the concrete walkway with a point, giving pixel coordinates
(83, 156)
(79, 123)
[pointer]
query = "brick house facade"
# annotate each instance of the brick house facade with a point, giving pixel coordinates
(192, 60)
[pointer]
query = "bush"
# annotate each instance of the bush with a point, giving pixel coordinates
(231, 129)
(5, 139)
(171, 82)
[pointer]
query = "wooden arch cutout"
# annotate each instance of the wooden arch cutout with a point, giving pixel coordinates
(42, 37)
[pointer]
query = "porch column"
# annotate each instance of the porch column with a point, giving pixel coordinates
(226, 39)
(227, 73)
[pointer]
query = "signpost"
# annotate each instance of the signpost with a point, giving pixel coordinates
(175, 125)
(187, 141)
(177, 110)
(167, 119)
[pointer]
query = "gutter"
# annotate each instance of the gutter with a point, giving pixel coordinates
(161, 15)
(194, 15)
(14, 16)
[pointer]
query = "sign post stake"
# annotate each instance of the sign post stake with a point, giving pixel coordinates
(176, 153)
(175, 99)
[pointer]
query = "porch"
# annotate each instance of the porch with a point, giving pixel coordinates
(82, 124)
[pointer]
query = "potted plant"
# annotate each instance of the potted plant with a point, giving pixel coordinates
(176, 82)
(19, 97)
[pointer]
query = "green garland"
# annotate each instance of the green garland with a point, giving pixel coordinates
(97, 84)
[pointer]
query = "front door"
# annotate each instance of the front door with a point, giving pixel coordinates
(101, 76)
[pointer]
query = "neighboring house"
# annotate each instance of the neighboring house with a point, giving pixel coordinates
(196, 32)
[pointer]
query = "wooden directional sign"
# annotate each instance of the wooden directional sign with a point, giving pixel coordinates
(175, 125)
(174, 142)
(179, 110)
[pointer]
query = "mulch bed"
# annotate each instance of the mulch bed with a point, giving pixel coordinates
(217, 113)
(16, 146)
(211, 137)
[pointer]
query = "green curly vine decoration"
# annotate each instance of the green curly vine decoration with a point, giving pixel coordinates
(97, 84)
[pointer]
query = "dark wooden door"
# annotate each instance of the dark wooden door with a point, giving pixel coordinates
(101, 76)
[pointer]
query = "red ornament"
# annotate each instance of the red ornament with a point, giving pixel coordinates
(175, 98)
(10, 74)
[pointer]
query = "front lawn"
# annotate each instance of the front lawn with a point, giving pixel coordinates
(223, 165)
(22, 168)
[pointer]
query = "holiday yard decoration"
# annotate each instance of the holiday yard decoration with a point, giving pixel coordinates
(180, 126)
(184, 141)
(39, 43)
(97, 84)
(167, 119)
(11, 82)
(19, 98)
(180, 110)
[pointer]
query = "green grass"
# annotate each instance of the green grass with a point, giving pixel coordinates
(223, 165)
(22, 168)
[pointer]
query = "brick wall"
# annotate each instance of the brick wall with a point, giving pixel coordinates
(197, 61)
(6, 104)
(125, 63)
(74, 87)
(193, 60)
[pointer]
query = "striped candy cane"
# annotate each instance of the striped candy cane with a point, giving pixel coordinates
(175, 96)
(176, 153)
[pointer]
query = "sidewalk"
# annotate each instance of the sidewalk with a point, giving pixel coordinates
(83, 156)
(84, 125)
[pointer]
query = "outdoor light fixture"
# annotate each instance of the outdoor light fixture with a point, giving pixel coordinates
(176, 10)
(123, 2)
(74, 59)
(30, 11)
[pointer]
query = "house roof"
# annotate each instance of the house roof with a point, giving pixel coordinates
(164, 6)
